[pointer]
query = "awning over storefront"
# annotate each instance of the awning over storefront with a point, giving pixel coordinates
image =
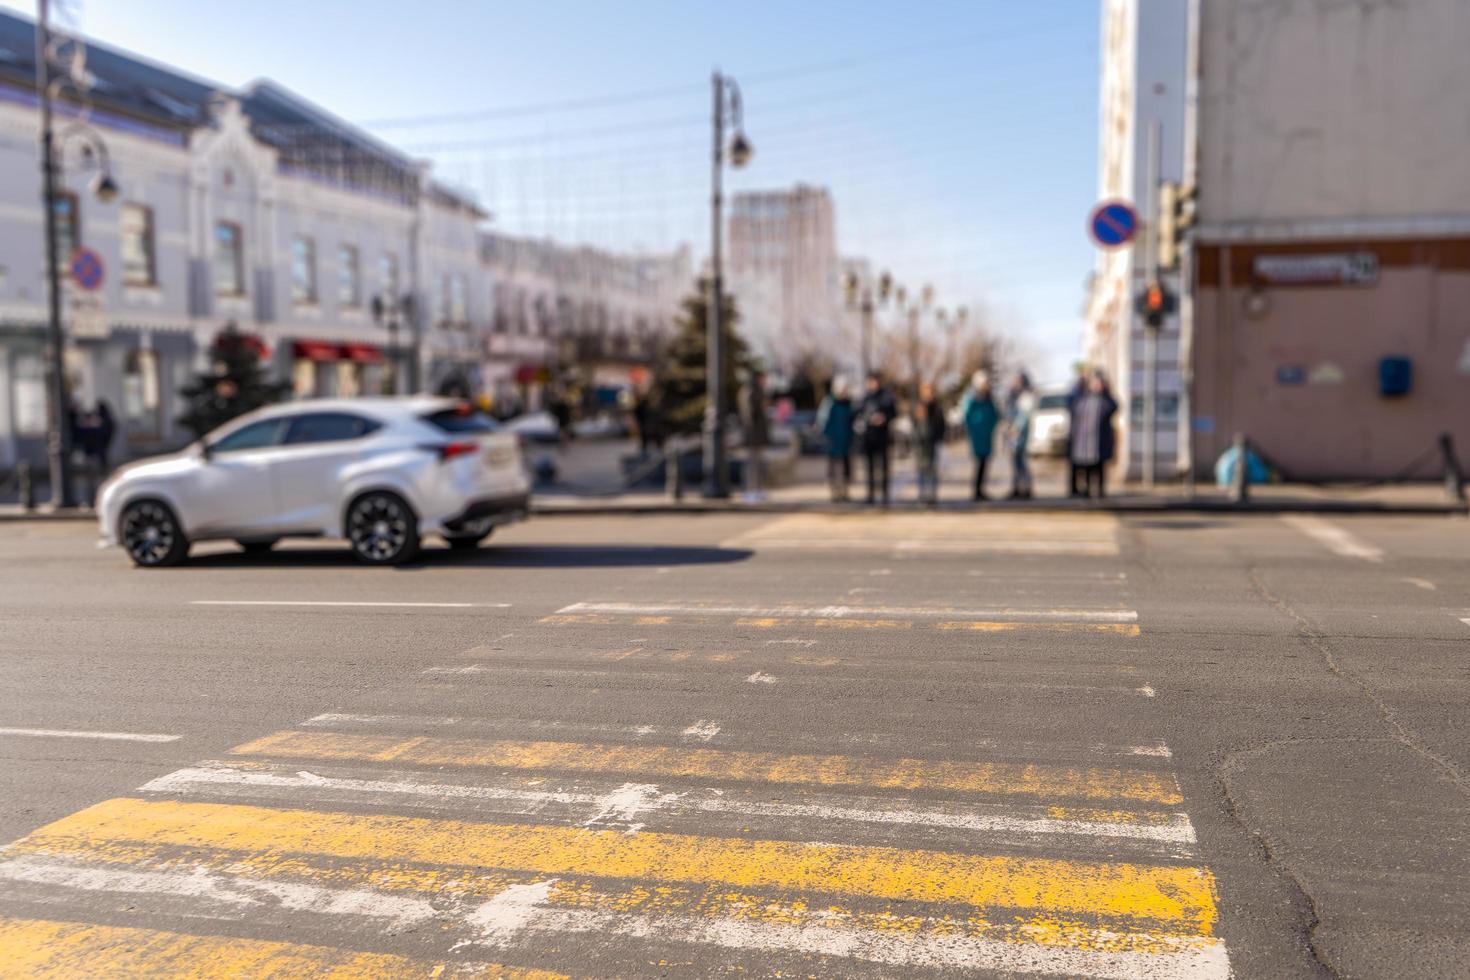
(362, 353)
(316, 350)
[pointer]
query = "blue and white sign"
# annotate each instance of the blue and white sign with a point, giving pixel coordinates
(1113, 224)
(86, 269)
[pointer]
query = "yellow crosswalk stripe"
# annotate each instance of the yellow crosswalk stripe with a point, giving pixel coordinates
(1140, 786)
(1119, 629)
(38, 948)
(1181, 898)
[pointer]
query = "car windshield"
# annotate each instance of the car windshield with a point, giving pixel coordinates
(1053, 401)
(463, 419)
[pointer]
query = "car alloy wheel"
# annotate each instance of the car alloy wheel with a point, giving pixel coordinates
(382, 529)
(151, 534)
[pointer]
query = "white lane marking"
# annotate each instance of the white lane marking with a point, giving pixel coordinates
(622, 805)
(296, 602)
(792, 641)
(760, 677)
(1191, 958)
(331, 719)
(201, 883)
(1162, 751)
(498, 920)
(840, 611)
(1012, 820)
(106, 736)
(702, 730)
(1422, 583)
(1146, 690)
(881, 571)
(1335, 539)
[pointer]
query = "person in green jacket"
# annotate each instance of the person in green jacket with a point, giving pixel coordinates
(981, 417)
(835, 420)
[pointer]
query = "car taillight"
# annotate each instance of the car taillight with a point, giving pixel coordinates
(450, 450)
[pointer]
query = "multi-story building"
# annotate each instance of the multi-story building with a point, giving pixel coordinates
(1144, 53)
(784, 272)
(556, 306)
(1330, 320)
(252, 208)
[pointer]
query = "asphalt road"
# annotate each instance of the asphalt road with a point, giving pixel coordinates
(900, 745)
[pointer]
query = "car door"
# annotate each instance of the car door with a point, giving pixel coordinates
(309, 464)
(233, 491)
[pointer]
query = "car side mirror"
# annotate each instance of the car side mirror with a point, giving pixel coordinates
(206, 451)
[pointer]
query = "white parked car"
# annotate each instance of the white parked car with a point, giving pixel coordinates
(1051, 425)
(380, 472)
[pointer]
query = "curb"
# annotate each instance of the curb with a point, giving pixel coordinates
(1118, 506)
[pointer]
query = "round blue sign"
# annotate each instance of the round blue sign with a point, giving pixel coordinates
(86, 268)
(1113, 223)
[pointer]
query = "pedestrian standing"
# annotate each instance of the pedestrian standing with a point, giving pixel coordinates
(1092, 434)
(1020, 406)
(981, 417)
(875, 416)
(757, 434)
(835, 419)
(929, 432)
(1074, 475)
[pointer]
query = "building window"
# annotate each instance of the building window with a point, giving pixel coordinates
(141, 394)
(137, 246)
(388, 276)
(459, 304)
(229, 260)
(68, 228)
(303, 270)
(349, 288)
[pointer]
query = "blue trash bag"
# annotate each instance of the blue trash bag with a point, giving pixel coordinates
(1256, 470)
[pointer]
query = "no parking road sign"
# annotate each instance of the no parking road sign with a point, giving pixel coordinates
(86, 269)
(1113, 224)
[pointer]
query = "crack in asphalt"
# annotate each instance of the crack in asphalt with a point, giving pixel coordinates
(1399, 734)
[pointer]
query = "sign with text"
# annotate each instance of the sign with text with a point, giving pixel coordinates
(1327, 269)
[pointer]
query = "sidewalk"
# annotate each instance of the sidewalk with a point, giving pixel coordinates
(589, 481)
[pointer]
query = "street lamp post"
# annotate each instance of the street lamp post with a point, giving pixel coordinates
(58, 435)
(726, 101)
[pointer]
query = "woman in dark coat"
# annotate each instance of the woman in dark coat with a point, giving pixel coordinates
(1092, 434)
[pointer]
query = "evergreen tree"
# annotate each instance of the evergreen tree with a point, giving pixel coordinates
(234, 384)
(679, 383)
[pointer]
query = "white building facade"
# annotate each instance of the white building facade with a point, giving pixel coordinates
(249, 208)
(1145, 49)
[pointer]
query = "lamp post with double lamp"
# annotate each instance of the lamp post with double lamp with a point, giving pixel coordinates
(94, 153)
(860, 299)
(726, 105)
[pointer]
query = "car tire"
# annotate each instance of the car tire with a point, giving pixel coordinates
(466, 542)
(382, 529)
(151, 534)
(258, 547)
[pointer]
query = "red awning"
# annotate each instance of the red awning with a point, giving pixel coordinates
(316, 350)
(362, 353)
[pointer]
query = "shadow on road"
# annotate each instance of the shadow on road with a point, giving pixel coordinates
(490, 556)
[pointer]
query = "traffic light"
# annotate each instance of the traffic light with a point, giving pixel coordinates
(1155, 303)
(1177, 212)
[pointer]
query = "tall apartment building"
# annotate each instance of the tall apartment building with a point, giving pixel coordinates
(783, 270)
(249, 207)
(1145, 47)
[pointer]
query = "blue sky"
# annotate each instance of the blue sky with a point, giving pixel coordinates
(959, 139)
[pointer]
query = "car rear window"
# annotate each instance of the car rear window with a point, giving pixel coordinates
(1053, 401)
(462, 420)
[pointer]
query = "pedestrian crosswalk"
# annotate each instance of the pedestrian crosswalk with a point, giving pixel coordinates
(366, 839)
(913, 534)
